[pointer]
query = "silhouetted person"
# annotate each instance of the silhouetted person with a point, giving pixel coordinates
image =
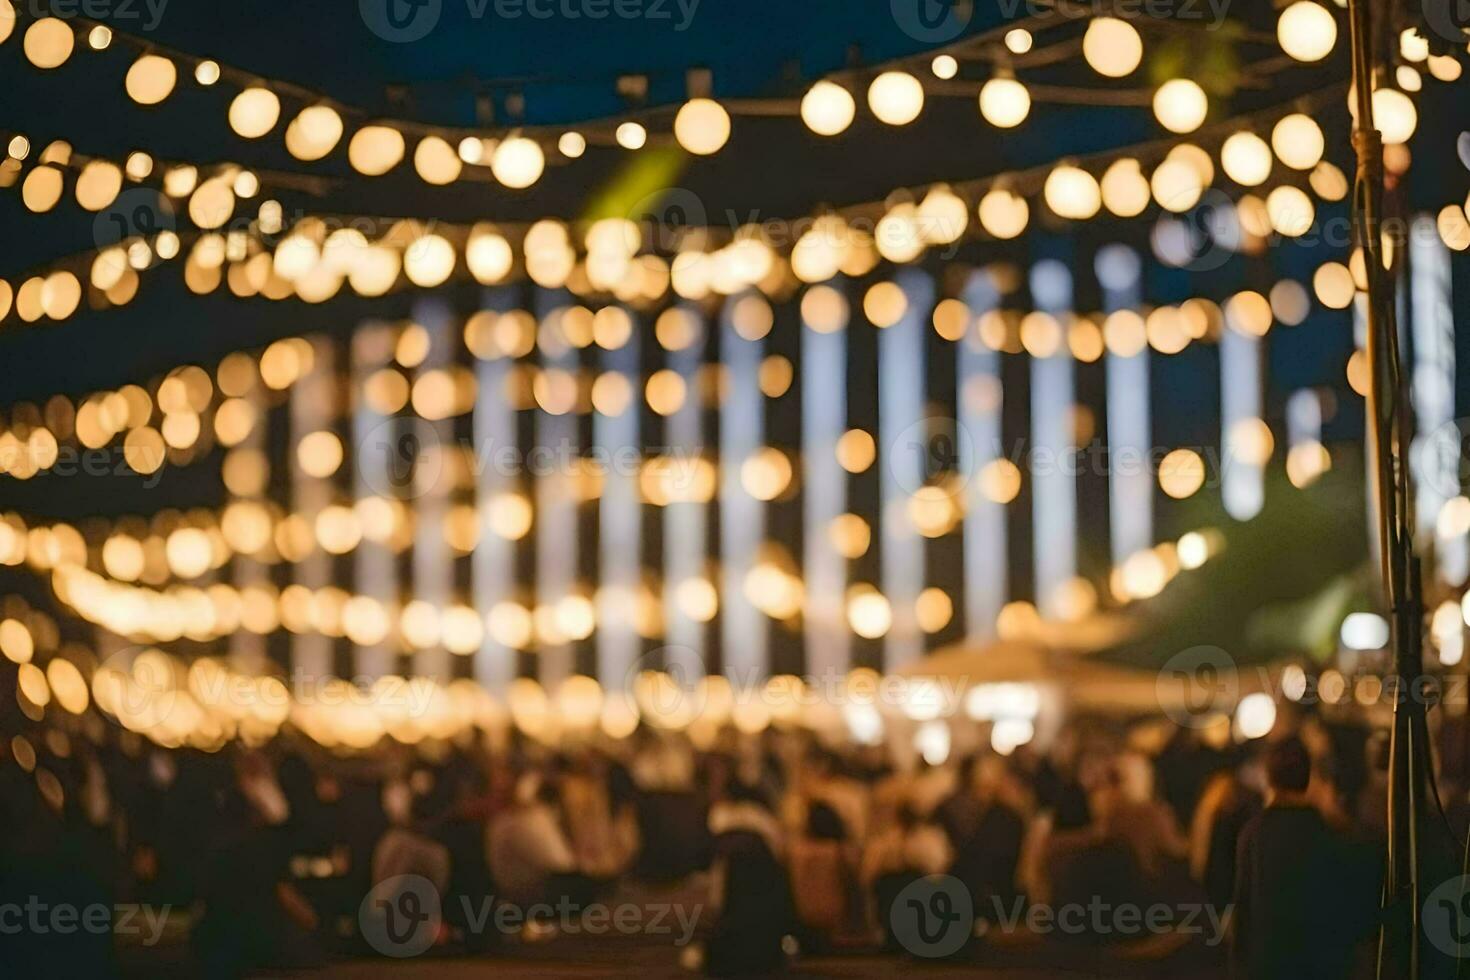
(1290, 891)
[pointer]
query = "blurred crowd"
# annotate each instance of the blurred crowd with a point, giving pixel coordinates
(786, 846)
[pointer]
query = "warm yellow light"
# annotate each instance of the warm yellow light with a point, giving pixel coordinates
(1306, 31)
(1246, 159)
(1003, 214)
(1125, 190)
(1181, 473)
(1298, 140)
(212, 203)
(896, 98)
(1176, 185)
(868, 612)
(885, 303)
(572, 145)
(429, 261)
(98, 184)
(488, 255)
(766, 474)
(314, 132)
(1248, 313)
(1004, 102)
(1018, 40)
(49, 42)
(375, 150)
(631, 136)
(1290, 211)
(436, 161)
(1000, 480)
(1072, 192)
(856, 450)
(1250, 441)
(509, 516)
(944, 66)
(1112, 47)
(1180, 105)
(42, 189)
(849, 535)
(207, 72)
(702, 126)
(518, 162)
(151, 79)
(1394, 115)
(319, 454)
(827, 108)
(254, 112)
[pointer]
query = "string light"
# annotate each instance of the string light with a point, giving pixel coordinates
(631, 136)
(702, 126)
(254, 112)
(1306, 31)
(1004, 102)
(1180, 105)
(1112, 47)
(896, 98)
(827, 108)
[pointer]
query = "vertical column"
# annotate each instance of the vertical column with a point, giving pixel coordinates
(1243, 487)
(1304, 453)
(492, 568)
(980, 403)
(248, 649)
(824, 481)
(620, 510)
(1370, 452)
(1436, 449)
(900, 416)
(1053, 480)
(742, 516)
(685, 519)
(555, 496)
(313, 406)
(1130, 477)
(433, 561)
(376, 443)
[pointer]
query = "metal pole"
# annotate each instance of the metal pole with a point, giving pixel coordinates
(1390, 426)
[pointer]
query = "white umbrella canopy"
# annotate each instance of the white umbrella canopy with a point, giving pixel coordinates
(1084, 682)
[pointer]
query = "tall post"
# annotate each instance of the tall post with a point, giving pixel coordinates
(1400, 949)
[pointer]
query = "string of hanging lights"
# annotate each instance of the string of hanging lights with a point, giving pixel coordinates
(517, 156)
(320, 254)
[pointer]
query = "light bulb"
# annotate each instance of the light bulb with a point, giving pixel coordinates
(1181, 105)
(827, 108)
(1004, 102)
(896, 98)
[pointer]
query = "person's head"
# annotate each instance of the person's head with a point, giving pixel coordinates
(1288, 766)
(823, 823)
